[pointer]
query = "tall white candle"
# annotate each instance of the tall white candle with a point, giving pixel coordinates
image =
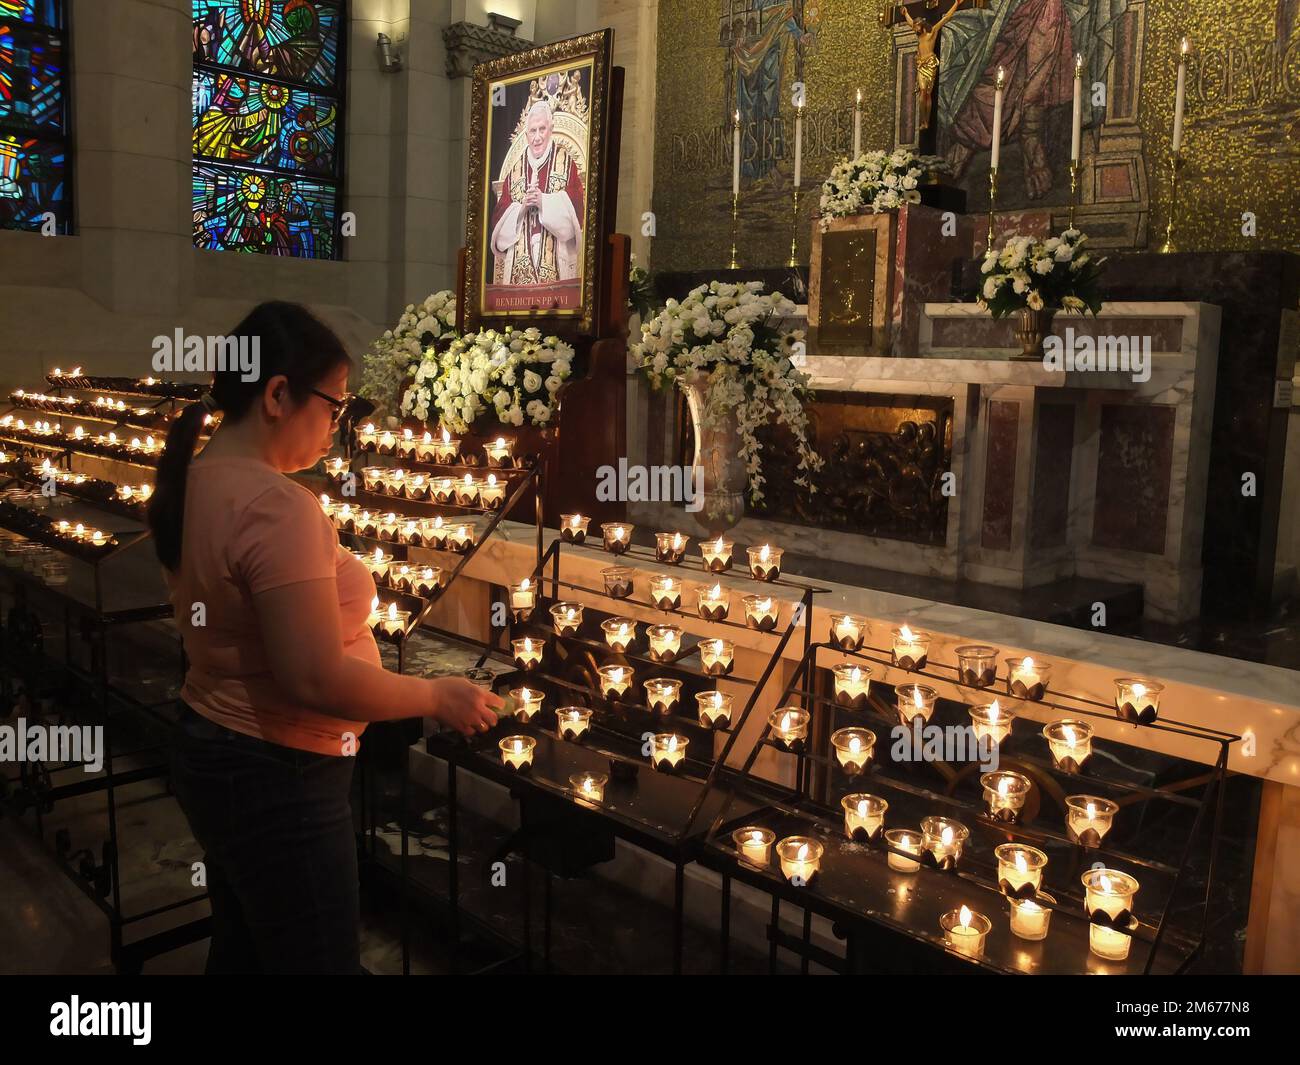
(1077, 127)
(1180, 98)
(997, 119)
(735, 154)
(798, 144)
(857, 125)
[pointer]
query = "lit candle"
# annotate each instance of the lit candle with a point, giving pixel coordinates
(662, 695)
(713, 603)
(964, 930)
(735, 154)
(617, 536)
(615, 681)
(977, 665)
(714, 708)
(668, 751)
(853, 748)
(523, 597)
(466, 491)
(717, 656)
(618, 581)
(1030, 918)
(386, 444)
(789, 725)
(907, 842)
(666, 593)
(754, 844)
(1180, 95)
(857, 125)
(1108, 895)
(1020, 869)
(997, 119)
(500, 451)
(761, 612)
(517, 752)
(665, 642)
(400, 576)
(765, 562)
(406, 443)
(1088, 818)
(435, 532)
(446, 449)
(366, 436)
(376, 617)
(670, 548)
(852, 683)
(572, 723)
(911, 647)
(798, 144)
(491, 492)
(864, 816)
(425, 448)
(990, 721)
(589, 786)
(427, 581)
(527, 652)
(915, 700)
(566, 618)
(800, 858)
(442, 489)
(395, 483)
(395, 621)
(410, 532)
(373, 478)
(378, 564)
(388, 525)
(1137, 700)
(848, 631)
(716, 555)
(460, 538)
(1005, 793)
(1028, 678)
(573, 528)
(943, 839)
(527, 702)
(1076, 121)
(619, 633)
(1070, 743)
(98, 538)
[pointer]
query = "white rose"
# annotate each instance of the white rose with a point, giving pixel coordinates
(991, 287)
(532, 382)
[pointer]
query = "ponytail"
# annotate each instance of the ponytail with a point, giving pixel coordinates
(293, 344)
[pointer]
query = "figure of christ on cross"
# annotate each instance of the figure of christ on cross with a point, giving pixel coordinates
(927, 60)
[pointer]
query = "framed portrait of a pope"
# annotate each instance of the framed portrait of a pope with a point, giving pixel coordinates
(537, 138)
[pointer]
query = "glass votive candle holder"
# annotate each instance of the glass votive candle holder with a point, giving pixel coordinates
(373, 478)
(500, 452)
(902, 842)
(366, 435)
(915, 700)
(466, 491)
(754, 844)
(618, 581)
(425, 449)
(765, 562)
(617, 536)
(713, 603)
(942, 840)
(1108, 900)
(410, 531)
(566, 618)
(668, 751)
(528, 701)
(714, 708)
(426, 580)
(977, 665)
(1020, 869)
(517, 752)
(619, 633)
(1070, 743)
(344, 516)
(417, 486)
(1088, 818)
(589, 786)
(442, 489)
(991, 721)
(615, 681)
(1028, 678)
(789, 725)
(527, 652)
(386, 442)
(572, 723)
(388, 525)
(523, 598)
(491, 492)
(800, 858)
(1031, 917)
(852, 684)
(761, 612)
(434, 530)
(377, 563)
(717, 656)
(965, 931)
(715, 555)
(666, 592)
(848, 631)
(365, 523)
(853, 748)
(395, 483)
(1137, 700)
(911, 647)
(393, 622)
(662, 695)
(573, 528)
(864, 817)
(446, 449)
(665, 642)
(400, 576)
(670, 548)
(461, 538)
(1005, 793)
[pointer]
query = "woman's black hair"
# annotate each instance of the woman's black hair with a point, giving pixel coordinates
(292, 342)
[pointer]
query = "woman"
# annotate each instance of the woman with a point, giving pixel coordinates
(284, 673)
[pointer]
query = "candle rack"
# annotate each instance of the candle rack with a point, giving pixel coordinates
(875, 908)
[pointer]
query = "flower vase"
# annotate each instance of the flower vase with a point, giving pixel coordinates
(1032, 328)
(719, 471)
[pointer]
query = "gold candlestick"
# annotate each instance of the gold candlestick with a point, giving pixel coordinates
(1074, 188)
(735, 212)
(1175, 161)
(794, 230)
(993, 197)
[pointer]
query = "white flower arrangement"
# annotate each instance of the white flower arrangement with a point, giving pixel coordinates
(873, 182)
(726, 331)
(1053, 273)
(516, 373)
(388, 365)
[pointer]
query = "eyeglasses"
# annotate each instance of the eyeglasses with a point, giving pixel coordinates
(339, 405)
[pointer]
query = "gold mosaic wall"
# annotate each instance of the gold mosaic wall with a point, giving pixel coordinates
(1241, 147)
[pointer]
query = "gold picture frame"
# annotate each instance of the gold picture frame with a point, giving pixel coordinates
(534, 275)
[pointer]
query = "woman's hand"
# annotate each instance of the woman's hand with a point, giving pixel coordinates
(464, 706)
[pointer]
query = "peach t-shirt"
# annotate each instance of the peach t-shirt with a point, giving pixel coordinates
(249, 529)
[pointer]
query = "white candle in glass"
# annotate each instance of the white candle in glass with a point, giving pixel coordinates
(997, 119)
(1180, 95)
(754, 844)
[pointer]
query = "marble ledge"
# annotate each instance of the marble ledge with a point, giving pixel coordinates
(992, 367)
(1211, 691)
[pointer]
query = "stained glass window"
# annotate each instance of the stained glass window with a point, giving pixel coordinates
(34, 173)
(268, 100)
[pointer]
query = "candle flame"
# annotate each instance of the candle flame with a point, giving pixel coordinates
(966, 915)
(1004, 787)
(856, 675)
(787, 721)
(528, 643)
(715, 698)
(672, 742)
(916, 698)
(946, 836)
(501, 441)
(677, 541)
(716, 593)
(855, 745)
(905, 634)
(859, 96)
(575, 521)
(719, 544)
(616, 675)
(1002, 77)
(1027, 665)
(1092, 810)
(1184, 47)
(1022, 866)
(1068, 733)
(374, 605)
(802, 854)
(862, 807)
(756, 837)
(523, 585)
(1078, 64)
(764, 605)
(1103, 882)
(994, 710)
(765, 553)
(446, 436)
(392, 611)
(622, 629)
(379, 554)
(1139, 690)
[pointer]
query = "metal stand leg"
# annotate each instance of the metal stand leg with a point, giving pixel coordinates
(725, 960)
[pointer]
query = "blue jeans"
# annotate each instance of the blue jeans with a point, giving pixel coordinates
(280, 850)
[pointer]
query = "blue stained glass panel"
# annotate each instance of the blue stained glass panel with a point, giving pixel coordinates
(297, 40)
(237, 209)
(31, 78)
(245, 120)
(33, 182)
(41, 12)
